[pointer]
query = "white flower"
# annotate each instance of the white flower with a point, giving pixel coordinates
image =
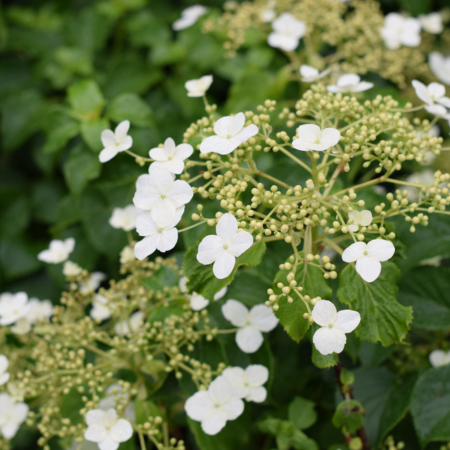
(198, 88)
(248, 383)
(399, 30)
(250, 323)
(71, 269)
(21, 327)
(432, 23)
(106, 429)
(13, 307)
(4, 375)
(124, 218)
(126, 327)
(12, 415)
(101, 308)
(310, 74)
(127, 255)
(92, 283)
(189, 16)
(223, 249)
(215, 406)
(39, 310)
(160, 194)
(287, 32)
(360, 219)
(431, 94)
(439, 111)
(268, 15)
(439, 358)
(348, 83)
(115, 142)
(230, 134)
(311, 137)
(440, 66)
(423, 178)
(197, 301)
(331, 337)
(58, 251)
(368, 257)
(113, 394)
(170, 157)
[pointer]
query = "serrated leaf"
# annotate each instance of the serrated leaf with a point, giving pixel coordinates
(302, 413)
(383, 318)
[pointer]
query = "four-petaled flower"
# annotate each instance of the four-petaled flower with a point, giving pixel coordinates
(360, 219)
(198, 88)
(440, 66)
(101, 308)
(214, 407)
(248, 383)
(106, 429)
(349, 83)
(12, 415)
(399, 30)
(433, 95)
(124, 218)
(287, 32)
(331, 337)
(170, 157)
(368, 257)
(4, 375)
(251, 323)
(58, 251)
(160, 194)
(223, 249)
(37, 311)
(432, 23)
(230, 134)
(439, 358)
(161, 236)
(115, 141)
(13, 307)
(189, 16)
(311, 137)
(310, 74)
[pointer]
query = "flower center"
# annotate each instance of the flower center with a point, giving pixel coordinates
(159, 230)
(169, 158)
(163, 196)
(365, 252)
(225, 246)
(229, 136)
(330, 326)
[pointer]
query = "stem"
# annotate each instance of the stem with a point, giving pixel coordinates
(298, 161)
(359, 186)
(333, 178)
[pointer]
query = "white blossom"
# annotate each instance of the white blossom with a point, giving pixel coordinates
(439, 358)
(198, 88)
(92, 283)
(160, 194)
(101, 308)
(287, 32)
(311, 137)
(124, 218)
(310, 74)
(330, 338)
(106, 429)
(399, 30)
(113, 395)
(440, 66)
(37, 311)
(349, 83)
(431, 94)
(171, 157)
(360, 219)
(12, 415)
(197, 301)
(230, 134)
(368, 257)
(71, 269)
(13, 307)
(115, 141)
(189, 16)
(251, 323)
(4, 374)
(223, 249)
(162, 236)
(126, 327)
(432, 23)
(248, 383)
(127, 255)
(268, 15)
(214, 407)
(58, 251)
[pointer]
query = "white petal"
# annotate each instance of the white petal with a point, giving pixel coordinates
(308, 71)
(108, 444)
(262, 318)
(237, 378)
(107, 154)
(220, 145)
(220, 390)
(167, 240)
(122, 130)
(283, 41)
(198, 302)
(257, 375)
(233, 408)
(108, 138)
(247, 133)
(180, 193)
(95, 416)
(309, 133)
(329, 137)
(125, 144)
(436, 90)
(354, 252)
(220, 294)
(240, 243)
(380, 249)
(146, 247)
(363, 86)
(329, 340)
(227, 227)
(437, 358)
(145, 225)
(210, 249)
(158, 154)
(235, 312)
(324, 313)
(121, 431)
(224, 265)
(214, 421)
(348, 80)
(249, 339)
(422, 92)
(183, 151)
(366, 218)
(95, 433)
(257, 394)
(347, 320)
(368, 268)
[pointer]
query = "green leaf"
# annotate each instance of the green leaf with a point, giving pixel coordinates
(249, 288)
(86, 99)
(145, 409)
(348, 415)
(291, 314)
(71, 405)
(301, 413)
(164, 277)
(60, 128)
(430, 405)
(130, 107)
(91, 132)
(385, 398)
(81, 167)
(202, 279)
(382, 317)
(426, 290)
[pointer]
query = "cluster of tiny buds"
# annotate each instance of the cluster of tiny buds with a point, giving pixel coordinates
(391, 445)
